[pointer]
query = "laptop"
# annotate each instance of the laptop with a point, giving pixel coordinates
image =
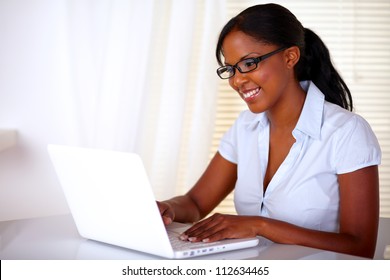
(111, 201)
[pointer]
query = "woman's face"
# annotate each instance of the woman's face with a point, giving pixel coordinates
(263, 88)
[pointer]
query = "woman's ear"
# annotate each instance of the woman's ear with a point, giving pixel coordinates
(292, 56)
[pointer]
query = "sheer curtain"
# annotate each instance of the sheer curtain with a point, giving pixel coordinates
(142, 76)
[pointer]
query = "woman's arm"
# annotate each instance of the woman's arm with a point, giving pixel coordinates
(359, 216)
(214, 185)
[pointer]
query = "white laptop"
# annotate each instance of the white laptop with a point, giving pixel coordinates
(111, 201)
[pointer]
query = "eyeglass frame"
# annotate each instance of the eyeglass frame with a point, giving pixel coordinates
(256, 60)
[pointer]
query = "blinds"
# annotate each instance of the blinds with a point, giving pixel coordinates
(357, 34)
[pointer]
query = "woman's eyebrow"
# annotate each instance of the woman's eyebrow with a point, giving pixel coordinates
(242, 58)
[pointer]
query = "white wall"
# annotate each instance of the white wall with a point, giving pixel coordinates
(32, 36)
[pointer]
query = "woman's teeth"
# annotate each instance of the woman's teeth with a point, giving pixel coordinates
(251, 93)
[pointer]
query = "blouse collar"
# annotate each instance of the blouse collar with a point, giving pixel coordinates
(310, 120)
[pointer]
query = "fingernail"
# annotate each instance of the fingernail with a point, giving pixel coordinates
(183, 237)
(192, 239)
(167, 220)
(206, 240)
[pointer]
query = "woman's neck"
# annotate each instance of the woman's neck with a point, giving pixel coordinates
(286, 113)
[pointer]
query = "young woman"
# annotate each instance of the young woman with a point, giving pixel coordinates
(303, 167)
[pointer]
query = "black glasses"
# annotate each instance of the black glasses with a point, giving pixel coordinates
(244, 66)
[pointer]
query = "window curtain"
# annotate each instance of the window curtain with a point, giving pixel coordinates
(142, 79)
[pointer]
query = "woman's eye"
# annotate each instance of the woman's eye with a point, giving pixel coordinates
(249, 63)
(229, 70)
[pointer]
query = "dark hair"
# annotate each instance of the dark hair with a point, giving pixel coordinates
(274, 24)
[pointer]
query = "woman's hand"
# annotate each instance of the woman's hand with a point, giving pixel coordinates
(214, 185)
(219, 226)
(166, 211)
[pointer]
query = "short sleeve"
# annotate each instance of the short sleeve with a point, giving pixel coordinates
(228, 145)
(356, 146)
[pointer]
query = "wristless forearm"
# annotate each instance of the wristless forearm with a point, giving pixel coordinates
(185, 210)
(285, 233)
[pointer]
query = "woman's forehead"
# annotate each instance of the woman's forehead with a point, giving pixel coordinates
(237, 45)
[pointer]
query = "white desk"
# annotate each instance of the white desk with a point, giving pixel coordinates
(56, 238)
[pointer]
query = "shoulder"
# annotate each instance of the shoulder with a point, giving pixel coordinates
(341, 120)
(329, 117)
(249, 120)
(354, 143)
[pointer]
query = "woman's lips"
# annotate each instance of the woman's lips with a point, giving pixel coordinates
(249, 95)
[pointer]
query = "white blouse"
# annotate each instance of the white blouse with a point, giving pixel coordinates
(304, 191)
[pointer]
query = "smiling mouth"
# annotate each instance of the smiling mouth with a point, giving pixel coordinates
(251, 94)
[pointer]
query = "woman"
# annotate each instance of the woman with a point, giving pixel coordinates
(304, 168)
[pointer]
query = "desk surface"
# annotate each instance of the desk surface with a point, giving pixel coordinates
(57, 238)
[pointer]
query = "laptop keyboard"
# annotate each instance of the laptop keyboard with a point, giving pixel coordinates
(178, 244)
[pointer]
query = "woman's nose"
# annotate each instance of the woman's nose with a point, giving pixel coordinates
(238, 79)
